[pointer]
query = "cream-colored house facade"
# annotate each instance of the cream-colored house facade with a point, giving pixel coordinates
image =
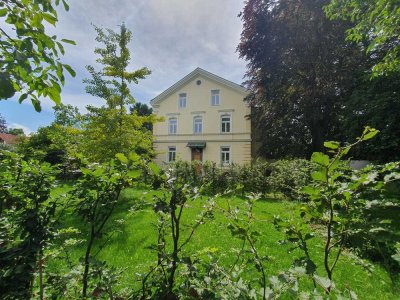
(204, 118)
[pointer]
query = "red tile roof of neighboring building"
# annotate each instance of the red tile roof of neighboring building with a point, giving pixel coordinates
(8, 139)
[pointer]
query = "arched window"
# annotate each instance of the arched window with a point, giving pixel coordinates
(198, 124)
(226, 126)
(172, 125)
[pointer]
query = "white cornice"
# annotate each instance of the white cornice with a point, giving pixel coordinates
(192, 75)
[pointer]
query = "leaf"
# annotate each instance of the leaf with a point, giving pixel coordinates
(134, 173)
(122, 158)
(319, 176)
(369, 133)
(70, 70)
(320, 158)
(154, 168)
(134, 157)
(324, 282)
(36, 105)
(3, 12)
(69, 41)
(66, 6)
(332, 145)
(22, 98)
(50, 18)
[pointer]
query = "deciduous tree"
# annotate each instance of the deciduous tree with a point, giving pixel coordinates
(29, 57)
(377, 23)
(300, 69)
(110, 129)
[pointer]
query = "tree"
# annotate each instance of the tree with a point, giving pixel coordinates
(375, 101)
(16, 131)
(300, 70)
(377, 23)
(110, 129)
(142, 109)
(3, 124)
(67, 115)
(29, 61)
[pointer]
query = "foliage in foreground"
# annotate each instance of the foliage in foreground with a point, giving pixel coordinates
(338, 212)
(29, 56)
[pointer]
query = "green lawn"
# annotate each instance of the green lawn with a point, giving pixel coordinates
(129, 247)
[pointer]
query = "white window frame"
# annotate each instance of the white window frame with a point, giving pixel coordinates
(197, 125)
(215, 97)
(224, 151)
(171, 154)
(172, 128)
(182, 100)
(223, 130)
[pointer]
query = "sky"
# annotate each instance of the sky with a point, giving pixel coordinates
(170, 37)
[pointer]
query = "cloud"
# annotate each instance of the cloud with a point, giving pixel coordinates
(170, 37)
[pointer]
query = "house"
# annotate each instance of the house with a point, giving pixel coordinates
(8, 139)
(204, 119)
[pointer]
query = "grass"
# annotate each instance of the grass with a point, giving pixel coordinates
(131, 241)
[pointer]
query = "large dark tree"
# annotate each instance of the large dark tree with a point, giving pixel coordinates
(375, 102)
(300, 71)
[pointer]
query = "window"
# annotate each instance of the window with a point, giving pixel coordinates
(172, 125)
(198, 124)
(215, 97)
(171, 153)
(225, 155)
(182, 100)
(225, 123)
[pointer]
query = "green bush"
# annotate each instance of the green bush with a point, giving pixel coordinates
(289, 176)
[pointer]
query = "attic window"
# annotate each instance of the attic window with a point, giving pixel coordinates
(198, 82)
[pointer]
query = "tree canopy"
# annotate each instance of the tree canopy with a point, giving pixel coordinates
(29, 57)
(300, 70)
(110, 129)
(377, 23)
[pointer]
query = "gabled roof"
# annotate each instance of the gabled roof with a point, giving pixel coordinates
(8, 139)
(192, 75)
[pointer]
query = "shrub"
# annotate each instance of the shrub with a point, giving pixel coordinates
(289, 176)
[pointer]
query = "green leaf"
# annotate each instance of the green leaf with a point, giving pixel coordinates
(36, 105)
(154, 168)
(134, 157)
(70, 70)
(332, 145)
(122, 158)
(369, 133)
(320, 158)
(3, 12)
(134, 173)
(319, 176)
(69, 41)
(66, 6)
(22, 98)
(50, 18)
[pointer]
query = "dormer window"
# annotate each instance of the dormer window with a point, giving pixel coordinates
(182, 100)
(214, 97)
